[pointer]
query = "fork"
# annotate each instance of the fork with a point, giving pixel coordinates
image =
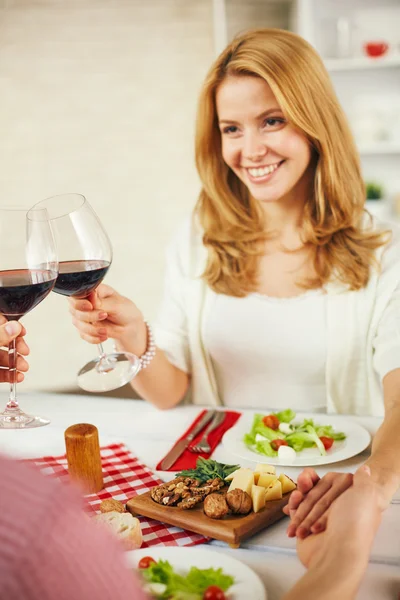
(203, 445)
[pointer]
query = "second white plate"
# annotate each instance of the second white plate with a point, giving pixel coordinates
(357, 439)
(247, 583)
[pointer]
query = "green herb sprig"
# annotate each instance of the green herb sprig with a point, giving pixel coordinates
(207, 468)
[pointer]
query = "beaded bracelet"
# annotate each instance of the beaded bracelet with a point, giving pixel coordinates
(150, 353)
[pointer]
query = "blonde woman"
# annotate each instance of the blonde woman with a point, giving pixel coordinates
(280, 290)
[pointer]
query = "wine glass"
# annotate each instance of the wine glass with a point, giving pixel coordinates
(85, 255)
(28, 272)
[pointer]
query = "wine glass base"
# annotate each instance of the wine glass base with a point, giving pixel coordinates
(16, 419)
(111, 372)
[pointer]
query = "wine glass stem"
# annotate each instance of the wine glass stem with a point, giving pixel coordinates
(12, 367)
(100, 348)
(105, 363)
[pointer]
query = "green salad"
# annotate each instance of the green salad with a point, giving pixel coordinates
(163, 582)
(269, 432)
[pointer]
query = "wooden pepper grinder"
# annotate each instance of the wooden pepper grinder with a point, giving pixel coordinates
(83, 456)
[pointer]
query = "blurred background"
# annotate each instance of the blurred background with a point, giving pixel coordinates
(99, 97)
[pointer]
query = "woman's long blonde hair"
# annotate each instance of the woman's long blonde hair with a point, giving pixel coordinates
(232, 221)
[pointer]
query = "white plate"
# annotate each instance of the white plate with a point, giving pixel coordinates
(357, 439)
(247, 583)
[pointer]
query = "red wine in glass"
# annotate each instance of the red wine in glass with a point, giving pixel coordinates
(79, 278)
(21, 290)
(85, 255)
(28, 272)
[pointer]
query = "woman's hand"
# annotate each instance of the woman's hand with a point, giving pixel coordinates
(352, 520)
(106, 314)
(308, 504)
(10, 330)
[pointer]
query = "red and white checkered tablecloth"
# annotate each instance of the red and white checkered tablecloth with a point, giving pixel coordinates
(124, 476)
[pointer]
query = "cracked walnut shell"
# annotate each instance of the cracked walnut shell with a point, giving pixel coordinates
(239, 502)
(215, 506)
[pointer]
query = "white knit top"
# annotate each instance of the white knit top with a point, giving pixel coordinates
(362, 327)
(269, 352)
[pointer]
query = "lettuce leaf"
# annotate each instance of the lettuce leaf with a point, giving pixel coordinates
(265, 448)
(285, 416)
(328, 431)
(300, 440)
(201, 579)
(261, 446)
(189, 587)
(305, 439)
(259, 427)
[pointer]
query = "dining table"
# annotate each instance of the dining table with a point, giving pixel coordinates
(149, 433)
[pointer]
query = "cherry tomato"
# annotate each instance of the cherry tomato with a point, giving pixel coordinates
(271, 421)
(276, 444)
(145, 562)
(214, 593)
(327, 442)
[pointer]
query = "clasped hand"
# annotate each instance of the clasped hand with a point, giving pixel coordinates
(352, 520)
(309, 505)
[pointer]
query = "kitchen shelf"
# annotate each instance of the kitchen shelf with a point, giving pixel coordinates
(362, 62)
(379, 148)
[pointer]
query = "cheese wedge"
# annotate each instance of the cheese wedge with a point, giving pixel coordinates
(231, 476)
(264, 468)
(242, 480)
(258, 497)
(287, 484)
(274, 491)
(265, 479)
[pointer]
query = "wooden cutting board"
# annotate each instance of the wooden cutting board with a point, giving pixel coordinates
(232, 529)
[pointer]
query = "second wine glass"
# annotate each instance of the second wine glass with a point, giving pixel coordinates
(28, 271)
(85, 255)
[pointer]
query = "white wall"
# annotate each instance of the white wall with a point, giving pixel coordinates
(99, 97)
(242, 15)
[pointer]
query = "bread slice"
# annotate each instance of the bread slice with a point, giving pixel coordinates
(110, 504)
(125, 526)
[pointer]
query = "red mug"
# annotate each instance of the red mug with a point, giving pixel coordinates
(375, 49)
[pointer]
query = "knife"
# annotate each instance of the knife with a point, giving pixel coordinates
(181, 445)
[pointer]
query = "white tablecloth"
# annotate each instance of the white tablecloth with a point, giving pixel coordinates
(149, 433)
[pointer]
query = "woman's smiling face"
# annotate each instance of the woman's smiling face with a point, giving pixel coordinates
(268, 154)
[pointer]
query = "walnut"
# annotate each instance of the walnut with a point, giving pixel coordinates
(110, 505)
(159, 492)
(239, 502)
(215, 484)
(189, 502)
(192, 482)
(215, 506)
(179, 479)
(171, 499)
(184, 492)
